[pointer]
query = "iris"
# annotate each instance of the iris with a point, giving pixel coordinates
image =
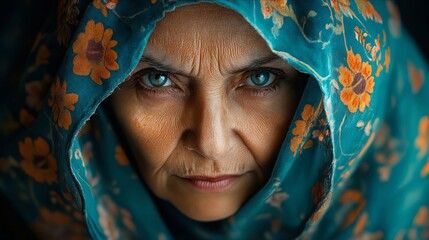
(261, 78)
(156, 79)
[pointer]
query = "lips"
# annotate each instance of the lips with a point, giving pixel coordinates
(211, 184)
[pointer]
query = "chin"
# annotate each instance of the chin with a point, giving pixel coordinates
(209, 215)
(208, 210)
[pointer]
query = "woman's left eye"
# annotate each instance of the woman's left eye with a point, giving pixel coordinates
(260, 78)
(156, 80)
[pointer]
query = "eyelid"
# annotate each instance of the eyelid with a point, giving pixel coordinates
(137, 82)
(279, 74)
(275, 71)
(152, 70)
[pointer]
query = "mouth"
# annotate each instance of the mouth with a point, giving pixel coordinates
(211, 184)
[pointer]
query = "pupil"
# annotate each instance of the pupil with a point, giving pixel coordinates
(260, 78)
(158, 79)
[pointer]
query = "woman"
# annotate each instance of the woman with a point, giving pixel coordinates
(221, 120)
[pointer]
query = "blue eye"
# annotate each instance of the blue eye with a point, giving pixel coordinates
(260, 78)
(156, 80)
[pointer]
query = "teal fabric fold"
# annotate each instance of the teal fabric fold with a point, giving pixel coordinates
(353, 165)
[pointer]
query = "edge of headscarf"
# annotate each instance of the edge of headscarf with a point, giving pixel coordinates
(294, 61)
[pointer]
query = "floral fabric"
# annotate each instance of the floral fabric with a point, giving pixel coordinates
(354, 164)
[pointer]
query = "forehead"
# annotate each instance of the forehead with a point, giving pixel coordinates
(203, 29)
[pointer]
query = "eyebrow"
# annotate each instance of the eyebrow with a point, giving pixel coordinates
(160, 66)
(255, 63)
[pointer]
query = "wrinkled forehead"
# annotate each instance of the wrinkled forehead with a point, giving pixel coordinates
(205, 28)
(205, 17)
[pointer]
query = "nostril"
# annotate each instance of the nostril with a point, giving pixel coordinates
(192, 149)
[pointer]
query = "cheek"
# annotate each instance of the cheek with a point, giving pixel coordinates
(264, 124)
(152, 133)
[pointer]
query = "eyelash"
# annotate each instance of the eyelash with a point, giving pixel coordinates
(266, 90)
(274, 86)
(257, 91)
(140, 86)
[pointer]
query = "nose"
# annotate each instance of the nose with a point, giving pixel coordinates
(211, 131)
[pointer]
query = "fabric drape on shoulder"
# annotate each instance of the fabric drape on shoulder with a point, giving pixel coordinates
(354, 163)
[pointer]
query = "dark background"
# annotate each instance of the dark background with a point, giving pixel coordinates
(415, 17)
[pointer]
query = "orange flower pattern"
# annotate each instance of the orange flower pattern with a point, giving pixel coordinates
(395, 18)
(268, 6)
(94, 54)
(368, 10)
(51, 225)
(108, 211)
(416, 77)
(98, 4)
(359, 132)
(322, 208)
(107, 222)
(121, 157)
(386, 154)
(355, 199)
(302, 128)
(419, 228)
(277, 198)
(62, 103)
(110, 4)
(38, 162)
(422, 141)
(277, 10)
(301, 132)
(387, 59)
(374, 47)
(425, 170)
(359, 231)
(357, 82)
(342, 7)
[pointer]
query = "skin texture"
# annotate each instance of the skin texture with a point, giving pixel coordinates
(210, 119)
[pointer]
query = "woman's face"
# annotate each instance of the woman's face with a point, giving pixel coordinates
(206, 110)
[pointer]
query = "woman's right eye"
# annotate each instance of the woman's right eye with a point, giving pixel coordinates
(156, 79)
(155, 82)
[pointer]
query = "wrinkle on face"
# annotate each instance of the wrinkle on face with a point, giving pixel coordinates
(195, 51)
(215, 125)
(183, 167)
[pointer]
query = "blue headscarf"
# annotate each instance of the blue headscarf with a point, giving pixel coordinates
(354, 163)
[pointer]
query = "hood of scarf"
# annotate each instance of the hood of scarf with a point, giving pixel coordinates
(353, 164)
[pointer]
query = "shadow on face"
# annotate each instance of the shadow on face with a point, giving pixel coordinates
(206, 110)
